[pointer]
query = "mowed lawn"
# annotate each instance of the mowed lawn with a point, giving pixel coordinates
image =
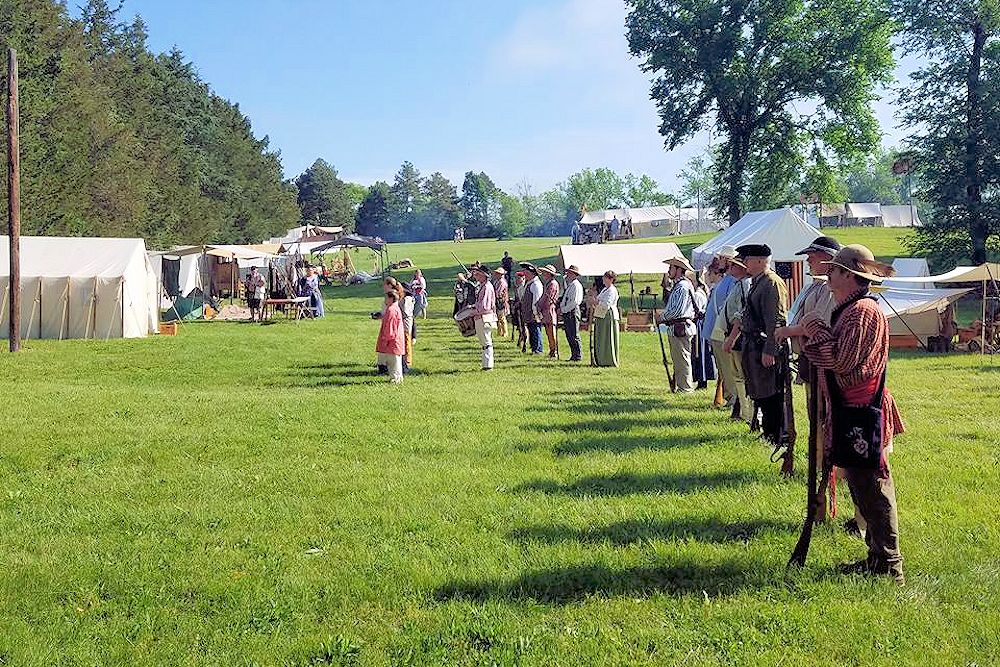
(248, 495)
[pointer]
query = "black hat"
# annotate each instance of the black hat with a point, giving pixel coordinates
(528, 265)
(827, 244)
(754, 250)
(482, 268)
(407, 287)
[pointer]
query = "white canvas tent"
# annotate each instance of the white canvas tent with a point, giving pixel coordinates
(782, 229)
(861, 214)
(622, 258)
(900, 216)
(81, 288)
(913, 267)
(916, 311)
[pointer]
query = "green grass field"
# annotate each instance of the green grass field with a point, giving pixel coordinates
(248, 495)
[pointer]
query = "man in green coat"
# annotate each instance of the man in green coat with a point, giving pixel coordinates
(763, 356)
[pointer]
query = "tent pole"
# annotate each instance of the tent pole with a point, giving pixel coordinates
(14, 200)
(908, 327)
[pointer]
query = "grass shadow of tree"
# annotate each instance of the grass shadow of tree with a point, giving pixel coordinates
(700, 529)
(624, 444)
(629, 484)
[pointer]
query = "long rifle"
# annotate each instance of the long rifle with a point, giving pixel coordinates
(663, 351)
(464, 267)
(590, 329)
(798, 558)
(788, 433)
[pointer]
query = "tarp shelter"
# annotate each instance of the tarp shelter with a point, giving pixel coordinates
(693, 220)
(81, 288)
(622, 258)
(913, 267)
(917, 312)
(988, 273)
(374, 243)
(782, 229)
(900, 216)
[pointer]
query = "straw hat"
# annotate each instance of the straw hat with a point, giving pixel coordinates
(573, 268)
(500, 271)
(727, 251)
(860, 261)
(680, 263)
(549, 269)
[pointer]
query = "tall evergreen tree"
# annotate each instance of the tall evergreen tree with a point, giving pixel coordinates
(323, 197)
(373, 214)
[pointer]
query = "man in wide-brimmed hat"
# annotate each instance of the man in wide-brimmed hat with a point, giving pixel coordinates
(679, 315)
(548, 306)
(486, 315)
(852, 356)
(530, 315)
(503, 306)
(569, 306)
(764, 358)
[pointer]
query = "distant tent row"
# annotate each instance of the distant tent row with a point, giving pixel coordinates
(854, 214)
(81, 288)
(653, 221)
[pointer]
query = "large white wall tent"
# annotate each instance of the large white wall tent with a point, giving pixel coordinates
(81, 288)
(782, 229)
(900, 216)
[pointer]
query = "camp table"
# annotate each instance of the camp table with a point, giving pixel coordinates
(298, 306)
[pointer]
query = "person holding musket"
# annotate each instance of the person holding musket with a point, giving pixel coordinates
(851, 355)
(503, 307)
(817, 298)
(520, 287)
(569, 306)
(530, 315)
(548, 307)
(486, 316)
(679, 315)
(716, 303)
(765, 360)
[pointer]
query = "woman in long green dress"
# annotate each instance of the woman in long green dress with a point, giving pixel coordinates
(606, 318)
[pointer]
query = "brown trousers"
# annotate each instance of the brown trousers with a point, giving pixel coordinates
(875, 499)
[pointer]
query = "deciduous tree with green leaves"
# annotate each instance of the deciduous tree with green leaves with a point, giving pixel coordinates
(954, 104)
(763, 74)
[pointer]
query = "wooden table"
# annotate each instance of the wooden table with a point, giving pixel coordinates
(299, 306)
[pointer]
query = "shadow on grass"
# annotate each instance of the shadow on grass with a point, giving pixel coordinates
(628, 484)
(629, 443)
(573, 584)
(634, 532)
(345, 375)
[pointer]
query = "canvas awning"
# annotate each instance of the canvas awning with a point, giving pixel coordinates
(224, 251)
(622, 258)
(989, 271)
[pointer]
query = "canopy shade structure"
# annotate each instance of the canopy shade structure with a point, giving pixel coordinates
(622, 258)
(352, 241)
(81, 288)
(224, 251)
(305, 231)
(782, 229)
(960, 274)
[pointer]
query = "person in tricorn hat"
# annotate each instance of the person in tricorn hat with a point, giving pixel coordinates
(764, 358)
(486, 316)
(569, 306)
(530, 314)
(548, 306)
(503, 307)
(852, 355)
(679, 315)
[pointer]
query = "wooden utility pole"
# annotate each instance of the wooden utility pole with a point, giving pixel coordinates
(14, 200)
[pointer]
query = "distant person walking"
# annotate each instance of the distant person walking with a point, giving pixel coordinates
(419, 296)
(253, 287)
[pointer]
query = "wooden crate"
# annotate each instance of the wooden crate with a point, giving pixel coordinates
(168, 328)
(642, 321)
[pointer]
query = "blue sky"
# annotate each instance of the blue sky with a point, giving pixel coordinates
(528, 91)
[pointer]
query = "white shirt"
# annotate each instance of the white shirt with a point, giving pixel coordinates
(607, 301)
(572, 297)
(536, 289)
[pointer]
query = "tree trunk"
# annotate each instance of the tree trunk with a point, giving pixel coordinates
(978, 228)
(738, 150)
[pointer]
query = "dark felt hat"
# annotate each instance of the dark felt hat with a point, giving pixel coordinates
(481, 268)
(754, 250)
(827, 244)
(529, 266)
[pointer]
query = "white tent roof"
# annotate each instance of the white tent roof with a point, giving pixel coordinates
(622, 258)
(960, 274)
(636, 215)
(907, 301)
(900, 216)
(913, 267)
(782, 229)
(867, 210)
(81, 288)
